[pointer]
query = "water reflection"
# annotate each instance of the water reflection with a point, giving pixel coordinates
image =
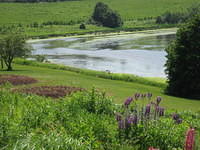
(141, 54)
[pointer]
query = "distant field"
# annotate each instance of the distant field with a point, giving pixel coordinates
(78, 11)
(137, 15)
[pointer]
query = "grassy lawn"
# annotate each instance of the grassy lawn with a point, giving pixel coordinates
(118, 89)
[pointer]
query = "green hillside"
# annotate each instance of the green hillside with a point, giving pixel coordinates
(68, 15)
(120, 90)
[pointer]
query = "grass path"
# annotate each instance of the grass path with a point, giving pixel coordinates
(118, 89)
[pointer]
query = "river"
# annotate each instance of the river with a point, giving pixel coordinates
(140, 53)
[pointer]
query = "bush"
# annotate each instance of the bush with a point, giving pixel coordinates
(183, 61)
(82, 26)
(105, 16)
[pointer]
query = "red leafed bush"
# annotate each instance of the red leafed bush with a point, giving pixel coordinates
(16, 79)
(50, 91)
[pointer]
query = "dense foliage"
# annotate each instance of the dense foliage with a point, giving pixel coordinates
(183, 61)
(86, 121)
(107, 17)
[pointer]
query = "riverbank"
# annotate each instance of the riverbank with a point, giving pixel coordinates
(162, 31)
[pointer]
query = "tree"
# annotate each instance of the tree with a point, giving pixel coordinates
(104, 15)
(11, 46)
(183, 61)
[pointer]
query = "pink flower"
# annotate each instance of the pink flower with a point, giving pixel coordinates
(190, 139)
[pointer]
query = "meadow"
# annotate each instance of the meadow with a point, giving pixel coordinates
(136, 14)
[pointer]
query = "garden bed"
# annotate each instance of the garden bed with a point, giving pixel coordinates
(16, 79)
(50, 91)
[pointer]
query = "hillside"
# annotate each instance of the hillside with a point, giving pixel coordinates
(65, 17)
(120, 90)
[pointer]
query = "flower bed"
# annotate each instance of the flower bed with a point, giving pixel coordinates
(16, 79)
(50, 91)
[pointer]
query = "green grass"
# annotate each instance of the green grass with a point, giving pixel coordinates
(77, 11)
(138, 14)
(120, 90)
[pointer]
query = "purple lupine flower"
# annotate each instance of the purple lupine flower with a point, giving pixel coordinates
(128, 101)
(118, 117)
(128, 122)
(161, 111)
(157, 109)
(131, 120)
(149, 95)
(147, 110)
(175, 116)
(158, 100)
(137, 96)
(121, 124)
(135, 120)
(179, 121)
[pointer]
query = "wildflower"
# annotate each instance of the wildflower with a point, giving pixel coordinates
(137, 96)
(147, 110)
(149, 95)
(135, 120)
(131, 120)
(118, 117)
(175, 116)
(128, 101)
(121, 124)
(179, 121)
(161, 111)
(128, 122)
(190, 139)
(158, 100)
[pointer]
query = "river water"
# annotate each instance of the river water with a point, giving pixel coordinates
(141, 53)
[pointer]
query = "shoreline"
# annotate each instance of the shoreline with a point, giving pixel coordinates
(101, 34)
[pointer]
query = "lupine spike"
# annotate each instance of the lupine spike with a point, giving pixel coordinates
(128, 101)
(158, 100)
(190, 139)
(147, 110)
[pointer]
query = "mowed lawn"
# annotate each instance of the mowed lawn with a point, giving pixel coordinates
(119, 90)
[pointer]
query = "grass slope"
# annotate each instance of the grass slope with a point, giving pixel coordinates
(137, 14)
(119, 89)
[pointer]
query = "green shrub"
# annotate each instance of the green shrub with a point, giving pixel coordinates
(183, 61)
(82, 26)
